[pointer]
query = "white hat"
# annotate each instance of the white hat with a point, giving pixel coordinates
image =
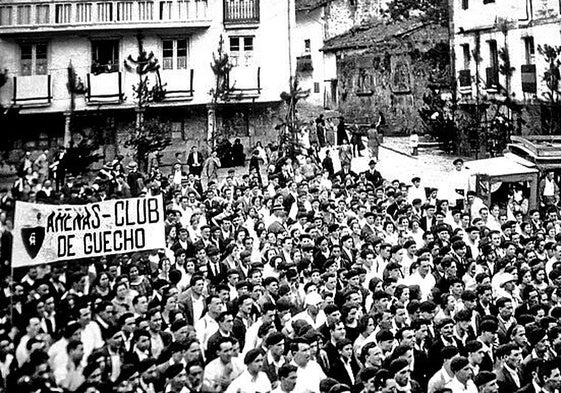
(313, 299)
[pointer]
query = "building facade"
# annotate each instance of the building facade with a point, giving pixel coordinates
(490, 36)
(44, 42)
(316, 22)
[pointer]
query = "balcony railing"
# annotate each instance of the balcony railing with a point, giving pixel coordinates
(241, 11)
(80, 14)
(178, 84)
(105, 88)
(529, 83)
(464, 79)
(244, 82)
(32, 90)
(492, 81)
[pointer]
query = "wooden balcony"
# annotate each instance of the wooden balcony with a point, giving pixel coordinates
(244, 82)
(178, 84)
(21, 16)
(106, 88)
(241, 12)
(32, 90)
(529, 82)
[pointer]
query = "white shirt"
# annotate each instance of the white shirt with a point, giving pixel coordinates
(198, 307)
(205, 327)
(458, 387)
(246, 383)
(91, 338)
(58, 359)
(215, 370)
(308, 378)
(426, 284)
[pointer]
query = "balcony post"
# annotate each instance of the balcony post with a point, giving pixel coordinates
(67, 133)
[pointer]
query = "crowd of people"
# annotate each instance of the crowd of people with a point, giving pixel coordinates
(302, 279)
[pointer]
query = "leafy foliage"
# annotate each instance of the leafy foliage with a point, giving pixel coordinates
(437, 115)
(81, 154)
(292, 126)
(551, 76)
(154, 136)
(143, 65)
(435, 11)
(221, 67)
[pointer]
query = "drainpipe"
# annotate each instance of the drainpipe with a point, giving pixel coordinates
(289, 16)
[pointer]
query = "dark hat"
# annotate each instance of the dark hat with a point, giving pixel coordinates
(473, 346)
(448, 352)
(212, 250)
(535, 335)
(458, 363)
(372, 162)
(384, 335)
(176, 325)
(109, 332)
(274, 338)
(489, 326)
(252, 355)
(483, 378)
(397, 365)
(174, 370)
(458, 161)
(145, 364)
(127, 372)
(443, 322)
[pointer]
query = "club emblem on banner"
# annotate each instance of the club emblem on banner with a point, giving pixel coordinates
(33, 237)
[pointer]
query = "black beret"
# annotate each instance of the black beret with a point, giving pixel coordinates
(398, 365)
(458, 363)
(473, 346)
(274, 338)
(484, 377)
(174, 370)
(384, 335)
(145, 364)
(252, 355)
(178, 324)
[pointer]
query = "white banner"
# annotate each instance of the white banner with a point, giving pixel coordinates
(52, 233)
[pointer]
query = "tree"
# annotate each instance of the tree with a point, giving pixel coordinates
(292, 126)
(144, 65)
(146, 136)
(435, 11)
(221, 67)
(154, 137)
(551, 97)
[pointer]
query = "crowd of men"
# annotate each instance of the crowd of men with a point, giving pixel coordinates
(306, 280)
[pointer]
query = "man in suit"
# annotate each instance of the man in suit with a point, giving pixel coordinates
(141, 347)
(545, 377)
(274, 358)
(347, 252)
(216, 270)
(193, 299)
(195, 161)
(508, 376)
(183, 242)
(445, 338)
(428, 221)
(488, 333)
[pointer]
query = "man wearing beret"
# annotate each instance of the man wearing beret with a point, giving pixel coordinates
(486, 382)
(445, 375)
(488, 333)
(463, 376)
(253, 379)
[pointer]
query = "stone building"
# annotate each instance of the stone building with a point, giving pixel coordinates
(388, 67)
(316, 22)
(40, 40)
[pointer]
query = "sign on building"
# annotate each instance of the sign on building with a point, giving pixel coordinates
(52, 233)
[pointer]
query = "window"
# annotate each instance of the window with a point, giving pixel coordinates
(488, 1)
(42, 14)
(466, 56)
(365, 81)
(105, 12)
(316, 87)
(174, 54)
(105, 56)
(165, 10)
(62, 13)
(5, 16)
(24, 14)
(307, 46)
(529, 50)
(33, 59)
(83, 12)
(465, 4)
(145, 10)
(241, 50)
(493, 55)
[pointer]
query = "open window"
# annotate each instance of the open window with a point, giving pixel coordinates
(105, 56)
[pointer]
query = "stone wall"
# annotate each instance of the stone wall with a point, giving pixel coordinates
(342, 15)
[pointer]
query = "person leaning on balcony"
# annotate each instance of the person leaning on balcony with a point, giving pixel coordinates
(549, 190)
